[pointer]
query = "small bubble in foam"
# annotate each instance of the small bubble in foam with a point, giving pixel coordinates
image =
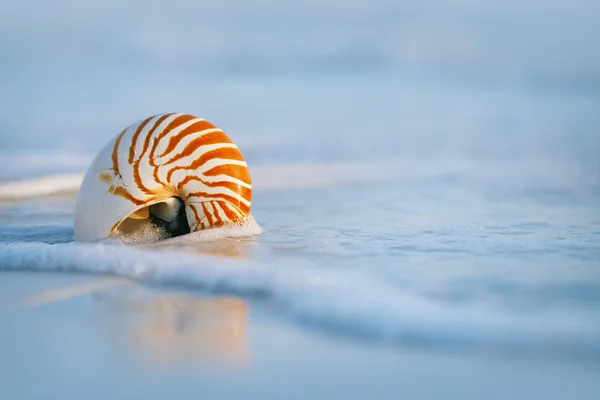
(145, 233)
(243, 228)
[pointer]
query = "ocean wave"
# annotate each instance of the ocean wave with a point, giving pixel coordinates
(42, 186)
(348, 302)
(294, 177)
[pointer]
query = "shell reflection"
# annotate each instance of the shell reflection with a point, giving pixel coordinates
(169, 329)
(176, 328)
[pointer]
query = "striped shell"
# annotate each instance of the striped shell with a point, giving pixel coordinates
(157, 160)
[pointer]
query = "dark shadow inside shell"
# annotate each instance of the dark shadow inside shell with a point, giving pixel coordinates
(156, 222)
(177, 226)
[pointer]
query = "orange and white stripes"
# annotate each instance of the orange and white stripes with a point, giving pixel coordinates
(180, 155)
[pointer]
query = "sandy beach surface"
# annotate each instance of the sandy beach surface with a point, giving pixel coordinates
(83, 336)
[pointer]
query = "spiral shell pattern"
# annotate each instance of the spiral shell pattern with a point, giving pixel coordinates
(165, 156)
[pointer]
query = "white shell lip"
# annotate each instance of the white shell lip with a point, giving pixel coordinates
(98, 213)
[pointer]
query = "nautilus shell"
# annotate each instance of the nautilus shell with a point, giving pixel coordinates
(176, 170)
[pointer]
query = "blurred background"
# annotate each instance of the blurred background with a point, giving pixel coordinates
(426, 172)
(307, 81)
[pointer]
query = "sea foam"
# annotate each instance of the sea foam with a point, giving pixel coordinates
(349, 302)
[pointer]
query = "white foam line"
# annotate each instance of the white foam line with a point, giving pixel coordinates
(350, 301)
(55, 184)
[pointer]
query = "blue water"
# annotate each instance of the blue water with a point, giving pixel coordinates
(425, 175)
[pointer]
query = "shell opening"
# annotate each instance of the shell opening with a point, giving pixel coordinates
(166, 219)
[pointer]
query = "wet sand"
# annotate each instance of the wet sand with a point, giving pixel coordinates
(85, 336)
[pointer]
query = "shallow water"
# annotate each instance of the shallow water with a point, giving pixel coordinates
(392, 261)
(406, 198)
